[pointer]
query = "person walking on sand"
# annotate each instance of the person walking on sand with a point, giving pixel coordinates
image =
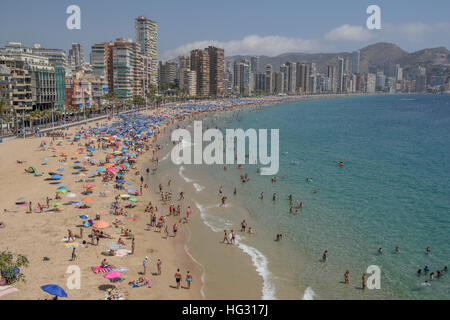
(159, 266)
(74, 255)
(188, 279)
(29, 208)
(178, 278)
(233, 237)
(132, 246)
(145, 264)
(175, 229)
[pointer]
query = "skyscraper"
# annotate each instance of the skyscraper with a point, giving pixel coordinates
(292, 77)
(76, 57)
(356, 56)
(216, 72)
(340, 75)
(146, 35)
(200, 64)
(269, 79)
(303, 77)
(167, 71)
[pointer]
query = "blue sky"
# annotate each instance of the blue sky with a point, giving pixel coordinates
(241, 27)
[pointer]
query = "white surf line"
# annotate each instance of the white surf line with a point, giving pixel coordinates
(260, 262)
(180, 172)
(203, 276)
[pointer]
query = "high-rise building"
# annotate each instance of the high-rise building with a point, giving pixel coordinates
(127, 64)
(260, 82)
(56, 57)
(279, 82)
(331, 74)
(356, 57)
(370, 82)
(32, 78)
(380, 83)
(398, 73)
(76, 57)
(201, 65)
(340, 76)
(269, 79)
(285, 71)
(313, 78)
(292, 77)
(146, 35)
(188, 81)
(5, 84)
(167, 71)
(303, 80)
(216, 65)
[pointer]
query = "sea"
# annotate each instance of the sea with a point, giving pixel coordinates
(392, 191)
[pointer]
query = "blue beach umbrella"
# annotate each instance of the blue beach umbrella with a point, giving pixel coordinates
(100, 170)
(56, 177)
(60, 169)
(55, 290)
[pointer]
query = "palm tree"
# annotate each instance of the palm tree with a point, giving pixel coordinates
(111, 97)
(152, 91)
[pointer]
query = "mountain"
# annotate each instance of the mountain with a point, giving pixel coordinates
(375, 55)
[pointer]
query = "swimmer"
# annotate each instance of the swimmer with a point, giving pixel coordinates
(397, 249)
(419, 272)
(261, 195)
(380, 251)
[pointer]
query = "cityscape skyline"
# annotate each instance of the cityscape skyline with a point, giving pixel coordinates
(181, 29)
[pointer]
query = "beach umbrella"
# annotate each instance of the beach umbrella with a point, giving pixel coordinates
(55, 290)
(87, 200)
(84, 217)
(101, 225)
(89, 185)
(62, 188)
(55, 203)
(100, 170)
(60, 169)
(133, 199)
(61, 191)
(71, 195)
(131, 190)
(56, 177)
(112, 275)
(124, 195)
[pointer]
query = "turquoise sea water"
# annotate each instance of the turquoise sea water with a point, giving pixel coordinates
(394, 190)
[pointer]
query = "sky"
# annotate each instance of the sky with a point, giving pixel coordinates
(246, 27)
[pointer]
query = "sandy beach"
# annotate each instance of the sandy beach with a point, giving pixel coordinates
(39, 235)
(42, 234)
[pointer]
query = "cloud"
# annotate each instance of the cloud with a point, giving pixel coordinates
(252, 45)
(348, 33)
(410, 35)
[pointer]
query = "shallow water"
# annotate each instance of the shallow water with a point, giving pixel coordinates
(392, 191)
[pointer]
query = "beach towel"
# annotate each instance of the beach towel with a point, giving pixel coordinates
(147, 283)
(99, 269)
(7, 291)
(122, 252)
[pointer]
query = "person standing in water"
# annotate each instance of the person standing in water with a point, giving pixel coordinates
(325, 255)
(346, 277)
(225, 237)
(364, 280)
